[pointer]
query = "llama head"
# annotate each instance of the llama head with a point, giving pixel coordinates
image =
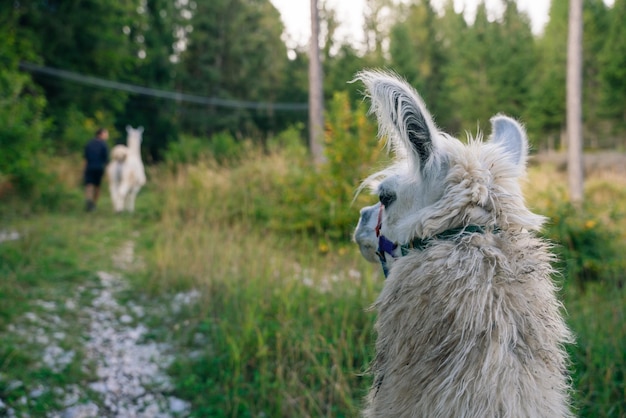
(436, 182)
(134, 138)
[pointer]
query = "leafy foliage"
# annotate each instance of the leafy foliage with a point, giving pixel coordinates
(613, 69)
(234, 52)
(22, 122)
(221, 147)
(599, 355)
(418, 51)
(586, 246)
(85, 37)
(320, 199)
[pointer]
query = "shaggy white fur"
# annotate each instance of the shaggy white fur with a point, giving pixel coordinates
(469, 325)
(126, 172)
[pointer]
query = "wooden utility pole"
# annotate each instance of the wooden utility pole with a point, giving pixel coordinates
(574, 103)
(316, 101)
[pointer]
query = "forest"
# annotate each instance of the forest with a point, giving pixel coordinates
(235, 289)
(247, 84)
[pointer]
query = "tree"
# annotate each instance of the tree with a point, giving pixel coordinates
(417, 51)
(512, 53)
(613, 68)
(316, 104)
(376, 26)
(22, 121)
(234, 51)
(595, 22)
(158, 28)
(86, 37)
(454, 30)
(471, 91)
(547, 106)
(574, 102)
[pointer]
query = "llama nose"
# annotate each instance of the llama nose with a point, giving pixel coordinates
(365, 216)
(365, 235)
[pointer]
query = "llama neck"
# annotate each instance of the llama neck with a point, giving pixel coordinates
(134, 147)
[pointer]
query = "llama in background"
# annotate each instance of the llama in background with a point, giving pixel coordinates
(468, 324)
(126, 172)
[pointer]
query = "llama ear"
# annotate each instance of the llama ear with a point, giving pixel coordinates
(140, 129)
(402, 115)
(128, 128)
(511, 136)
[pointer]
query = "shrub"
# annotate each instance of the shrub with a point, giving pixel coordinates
(187, 150)
(289, 143)
(225, 148)
(221, 147)
(587, 245)
(77, 129)
(22, 128)
(320, 199)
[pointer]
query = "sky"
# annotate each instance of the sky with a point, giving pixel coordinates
(295, 15)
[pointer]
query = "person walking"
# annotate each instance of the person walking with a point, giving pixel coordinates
(96, 156)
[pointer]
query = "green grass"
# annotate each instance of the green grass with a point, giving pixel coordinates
(282, 326)
(598, 318)
(284, 340)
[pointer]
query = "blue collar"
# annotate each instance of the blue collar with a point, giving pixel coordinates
(385, 246)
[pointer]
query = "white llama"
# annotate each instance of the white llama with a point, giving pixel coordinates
(468, 320)
(126, 172)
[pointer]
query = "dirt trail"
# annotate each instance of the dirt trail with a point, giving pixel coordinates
(130, 378)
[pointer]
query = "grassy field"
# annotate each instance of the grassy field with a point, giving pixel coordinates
(282, 326)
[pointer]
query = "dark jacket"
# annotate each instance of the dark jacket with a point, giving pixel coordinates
(96, 154)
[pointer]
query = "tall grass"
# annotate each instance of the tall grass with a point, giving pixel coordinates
(287, 327)
(598, 318)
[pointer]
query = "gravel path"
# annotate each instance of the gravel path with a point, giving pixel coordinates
(130, 378)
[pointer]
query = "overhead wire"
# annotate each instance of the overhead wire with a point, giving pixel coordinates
(165, 94)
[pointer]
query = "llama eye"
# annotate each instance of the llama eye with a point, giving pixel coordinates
(387, 197)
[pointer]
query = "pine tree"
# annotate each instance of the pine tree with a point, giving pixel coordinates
(156, 55)
(595, 22)
(613, 69)
(234, 51)
(547, 107)
(22, 122)
(417, 52)
(85, 37)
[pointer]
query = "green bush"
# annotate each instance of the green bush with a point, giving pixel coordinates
(587, 246)
(289, 143)
(221, 147)
(187, 150)
(319, 200)
(283, 189)
(225, 148)
(22, 128)
(79, 128)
